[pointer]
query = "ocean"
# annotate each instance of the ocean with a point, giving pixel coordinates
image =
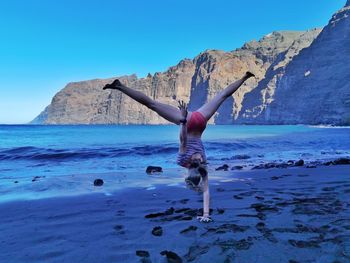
(39, 161)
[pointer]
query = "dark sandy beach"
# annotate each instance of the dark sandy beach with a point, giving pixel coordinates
(274, 215)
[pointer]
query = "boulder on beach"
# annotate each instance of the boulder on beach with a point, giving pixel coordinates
(299, 163)
(154, 169)
(98, 182)
(172, 257)
(223, 167)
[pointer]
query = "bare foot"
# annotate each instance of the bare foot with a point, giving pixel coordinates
(248, 75)
(116, 84)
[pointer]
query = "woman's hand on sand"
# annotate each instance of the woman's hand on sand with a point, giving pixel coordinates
(116, 84)
(183, 108)
(204, 219)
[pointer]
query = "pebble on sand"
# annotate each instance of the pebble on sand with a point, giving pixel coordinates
(98, 182)
(157, 231)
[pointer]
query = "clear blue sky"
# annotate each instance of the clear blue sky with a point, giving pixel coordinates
(46, 44)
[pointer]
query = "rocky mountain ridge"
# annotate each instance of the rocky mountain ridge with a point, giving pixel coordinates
(195, 81)
(302, 77)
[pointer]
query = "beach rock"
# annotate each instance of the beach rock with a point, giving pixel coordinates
(16, 182)
(223, 167)
(98, 182)
(142, 253)
(119, 229)
(36, 178)
(269, 165)
(341, 161)
(299, 163)
(145, 256)
(157, 231)
(282, 165)
(328, 163)
(154, 215)
(220, 211)
(172, 257)
(237, 167)
(154, 169)
(290, 162)
(169, 211)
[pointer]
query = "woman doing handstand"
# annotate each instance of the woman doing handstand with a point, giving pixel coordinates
(191, 151)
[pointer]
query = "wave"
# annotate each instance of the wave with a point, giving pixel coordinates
(54, 155)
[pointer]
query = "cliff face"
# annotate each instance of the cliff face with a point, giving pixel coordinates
(195, 81)
(313, 88)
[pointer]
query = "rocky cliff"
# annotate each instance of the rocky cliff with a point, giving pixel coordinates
(313, 87)
(195, 81)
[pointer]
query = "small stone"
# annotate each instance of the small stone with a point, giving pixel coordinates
(172, 257)
(142, 253)
(118, 227)
(169, 211)
(299, 163)
(237, 167)
(220, 211)
(157, 231)
(36, 178)
(154, 215)
(342, 161)
(223, 167)
(16, 182)
(98, 182)
(184, 201)
(154, 169)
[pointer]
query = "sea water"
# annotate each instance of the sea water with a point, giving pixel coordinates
(39, 161)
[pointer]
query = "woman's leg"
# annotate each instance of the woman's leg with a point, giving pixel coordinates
(211, 107)
(168, 112)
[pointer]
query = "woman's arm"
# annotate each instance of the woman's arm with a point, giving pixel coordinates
(206, 201)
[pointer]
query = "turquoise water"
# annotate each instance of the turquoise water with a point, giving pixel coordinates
(124, 152)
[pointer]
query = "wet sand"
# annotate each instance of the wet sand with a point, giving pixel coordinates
(273, 215)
